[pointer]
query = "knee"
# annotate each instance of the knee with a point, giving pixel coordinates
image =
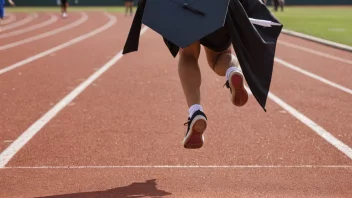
(220, 62)
(189, 55)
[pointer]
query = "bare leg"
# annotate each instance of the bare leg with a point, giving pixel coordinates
(131, 8)
(220, 61)
(225, 64)
(64, 9)
(126, 8)
(190, 77)
(189, 73)
(282, 5)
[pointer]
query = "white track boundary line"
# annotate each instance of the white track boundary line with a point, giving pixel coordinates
(52, 19)
(83, 19)
(318, 40)
(11, 18)
(182, 167)
(318, 53)
(21, 22)
(57, 48)
(312, 125)
(314, 76)
(27, 135)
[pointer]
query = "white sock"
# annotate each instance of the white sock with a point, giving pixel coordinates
(194, 108)
(230, 70)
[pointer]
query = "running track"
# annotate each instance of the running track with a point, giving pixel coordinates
(80, 120)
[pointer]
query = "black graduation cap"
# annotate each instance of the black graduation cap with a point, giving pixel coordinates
(183, 22)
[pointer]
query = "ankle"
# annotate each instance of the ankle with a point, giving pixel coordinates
(194, 108)
(230, 70)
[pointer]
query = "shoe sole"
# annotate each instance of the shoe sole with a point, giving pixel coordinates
(195, 138)
(239, 95)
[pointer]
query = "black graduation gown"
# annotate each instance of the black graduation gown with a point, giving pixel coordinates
(254, 45)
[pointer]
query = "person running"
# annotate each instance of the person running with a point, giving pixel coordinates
(255, 49)
(2, 10)
(128, 6)
(217, 47)
(64, 5)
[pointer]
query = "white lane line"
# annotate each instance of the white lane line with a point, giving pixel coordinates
(11, 18)
(55, 49)
(314, 126)
(314, 76)
(322, 54)
(21, 22)
(311, 124)
(27, 135)
(182, 167)
(83, 18)
(53, 19)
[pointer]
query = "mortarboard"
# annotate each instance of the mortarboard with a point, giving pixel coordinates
(184, 22)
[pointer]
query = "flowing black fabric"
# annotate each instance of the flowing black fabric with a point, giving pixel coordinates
(254, 45)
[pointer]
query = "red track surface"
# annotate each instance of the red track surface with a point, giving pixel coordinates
(41, 18)
(121, 136)
(19, 19)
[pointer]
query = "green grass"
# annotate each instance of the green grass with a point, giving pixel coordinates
(330, 23)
